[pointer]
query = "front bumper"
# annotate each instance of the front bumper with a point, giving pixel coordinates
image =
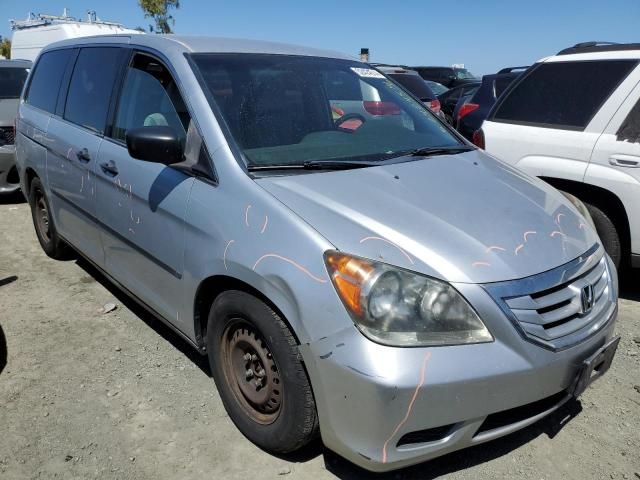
(7, 164)
(385, 408)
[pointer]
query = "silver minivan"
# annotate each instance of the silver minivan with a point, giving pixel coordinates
(350, 265)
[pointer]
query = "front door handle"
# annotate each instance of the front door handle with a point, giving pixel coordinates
(629, 161)
(83, 155)
(109, 168)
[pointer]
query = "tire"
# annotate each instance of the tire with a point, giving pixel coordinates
(46, 232)
(607, 232)
(239, 325)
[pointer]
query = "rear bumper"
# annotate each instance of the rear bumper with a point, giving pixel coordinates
(385, 408)
(7, 164)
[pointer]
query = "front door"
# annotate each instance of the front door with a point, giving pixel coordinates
(141, 204)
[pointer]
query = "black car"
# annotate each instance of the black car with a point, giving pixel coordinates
(470, 113)
(450, 77)
(450, 98)
(410, 80)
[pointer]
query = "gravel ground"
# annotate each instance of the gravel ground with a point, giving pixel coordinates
(118, 395)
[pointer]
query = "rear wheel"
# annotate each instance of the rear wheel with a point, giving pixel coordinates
(259, 373)
(46, 232)
(607, 232)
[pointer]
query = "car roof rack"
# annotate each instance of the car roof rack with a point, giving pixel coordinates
(590, 47)
(511, 69)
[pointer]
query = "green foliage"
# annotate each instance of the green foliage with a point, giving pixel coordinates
(158, 10)
(5, 48)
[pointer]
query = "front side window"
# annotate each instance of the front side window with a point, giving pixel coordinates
(47, 78)
(150, 97)
(563, 94)
(91, 85)
(11, 81)
(293, 109)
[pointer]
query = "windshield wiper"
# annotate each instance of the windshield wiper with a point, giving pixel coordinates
(313, 165)
(432, 151)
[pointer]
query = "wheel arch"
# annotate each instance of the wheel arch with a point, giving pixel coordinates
(29, 175)
(605, 200)
(211, 287)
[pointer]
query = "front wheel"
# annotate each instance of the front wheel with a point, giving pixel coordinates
(259, 373)
(607, 232)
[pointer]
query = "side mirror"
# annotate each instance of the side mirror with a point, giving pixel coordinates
(158, 144)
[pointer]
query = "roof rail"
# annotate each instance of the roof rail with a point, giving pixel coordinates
(589, 47)
(511, 69)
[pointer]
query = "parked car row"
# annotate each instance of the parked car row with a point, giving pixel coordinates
(13, 74)
(313, 227)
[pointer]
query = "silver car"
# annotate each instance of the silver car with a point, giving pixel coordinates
(351, 267)
(13, 74)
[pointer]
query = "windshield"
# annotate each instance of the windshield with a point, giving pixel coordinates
(289, 110)
(436, 87)
(11, 81)
(464, 74)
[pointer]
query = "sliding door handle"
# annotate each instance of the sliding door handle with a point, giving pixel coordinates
(83, 155)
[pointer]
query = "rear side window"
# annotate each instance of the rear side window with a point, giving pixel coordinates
(11, 81)
(563, 95)
(47, 78)
(90, 89)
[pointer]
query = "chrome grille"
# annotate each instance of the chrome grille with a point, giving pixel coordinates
(561, 307)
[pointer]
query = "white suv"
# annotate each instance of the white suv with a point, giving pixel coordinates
(573, 119)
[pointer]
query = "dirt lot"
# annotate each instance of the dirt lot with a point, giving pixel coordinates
(118, 395)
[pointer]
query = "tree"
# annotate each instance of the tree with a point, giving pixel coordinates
(159, 11)
(5, 48)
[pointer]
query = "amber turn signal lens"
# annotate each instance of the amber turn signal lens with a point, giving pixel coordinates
(348, 275)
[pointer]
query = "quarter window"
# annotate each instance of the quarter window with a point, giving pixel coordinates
(563, 94)
(91, 86)
(629, 131)
(47, 78)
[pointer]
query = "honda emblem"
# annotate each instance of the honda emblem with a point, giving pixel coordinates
(587, 298)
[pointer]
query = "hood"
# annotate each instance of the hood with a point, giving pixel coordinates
(460, 218)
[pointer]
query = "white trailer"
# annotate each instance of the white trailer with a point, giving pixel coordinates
(37, 31)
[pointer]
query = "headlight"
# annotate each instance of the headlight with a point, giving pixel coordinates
(396, 307)
(582, 208)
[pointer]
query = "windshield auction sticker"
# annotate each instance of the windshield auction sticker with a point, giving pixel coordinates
(367, 72)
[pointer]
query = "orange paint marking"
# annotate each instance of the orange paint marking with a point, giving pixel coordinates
(295, 264)
(246, 215)
(224, 256)
(555, 233)
(425, 361)
(390, 243)
(480, 264)
(495, 247)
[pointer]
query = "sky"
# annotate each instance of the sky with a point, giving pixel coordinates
(485, 35)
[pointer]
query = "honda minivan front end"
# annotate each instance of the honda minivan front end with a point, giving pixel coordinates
(351, 266)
